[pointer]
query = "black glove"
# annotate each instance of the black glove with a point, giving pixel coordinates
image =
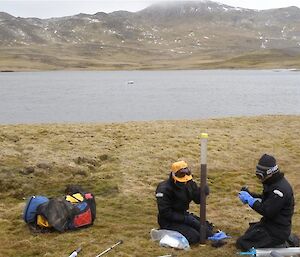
(192, 188)
(194, 191)
(206, 189)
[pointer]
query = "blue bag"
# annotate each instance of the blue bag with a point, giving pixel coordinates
(29, 214)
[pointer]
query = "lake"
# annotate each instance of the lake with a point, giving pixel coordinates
(118, 96)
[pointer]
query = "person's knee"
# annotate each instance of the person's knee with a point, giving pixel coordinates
(239, 244)
(194, 238)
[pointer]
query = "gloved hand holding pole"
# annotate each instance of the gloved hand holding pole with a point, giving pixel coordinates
(203, 174)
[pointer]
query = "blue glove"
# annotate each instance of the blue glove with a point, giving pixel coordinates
(218, 236)
(245, 197)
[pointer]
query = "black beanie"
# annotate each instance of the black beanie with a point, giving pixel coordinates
(266, 166)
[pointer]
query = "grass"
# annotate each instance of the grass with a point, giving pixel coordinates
(83, 57)
(122, 163)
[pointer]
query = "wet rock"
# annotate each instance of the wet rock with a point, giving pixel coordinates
(27, 170)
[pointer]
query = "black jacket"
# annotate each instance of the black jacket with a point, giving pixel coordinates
(173, 200)
(277, 206)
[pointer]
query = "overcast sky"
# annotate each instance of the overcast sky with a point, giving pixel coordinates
(59, 8)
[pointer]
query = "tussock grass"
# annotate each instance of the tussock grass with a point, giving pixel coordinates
(122, 163)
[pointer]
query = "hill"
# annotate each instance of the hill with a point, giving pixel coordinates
(122, 163)
(173, 35)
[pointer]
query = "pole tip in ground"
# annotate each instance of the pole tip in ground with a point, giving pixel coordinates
(204, 135)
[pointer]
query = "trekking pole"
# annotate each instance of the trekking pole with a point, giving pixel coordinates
(75, 253)
(203, 174)
(110, 248)
(274, 252)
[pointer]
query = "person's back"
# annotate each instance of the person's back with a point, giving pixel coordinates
(278, 211)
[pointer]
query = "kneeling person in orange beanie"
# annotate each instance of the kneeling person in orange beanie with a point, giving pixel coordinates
(173, 197)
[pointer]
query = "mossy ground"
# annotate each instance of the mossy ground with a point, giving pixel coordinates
(122, 163)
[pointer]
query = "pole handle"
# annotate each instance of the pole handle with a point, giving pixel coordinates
(204, 139)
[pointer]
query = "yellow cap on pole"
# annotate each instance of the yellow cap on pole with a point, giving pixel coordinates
(204, 135)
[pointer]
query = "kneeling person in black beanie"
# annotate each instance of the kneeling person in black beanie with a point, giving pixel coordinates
(275, 204)
(173, 198)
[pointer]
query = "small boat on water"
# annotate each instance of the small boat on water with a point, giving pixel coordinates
(130, 82)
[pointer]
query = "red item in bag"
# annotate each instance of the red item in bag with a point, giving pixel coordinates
(83, 219)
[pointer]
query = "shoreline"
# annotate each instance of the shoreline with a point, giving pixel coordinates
(96, 123)
(155, 69)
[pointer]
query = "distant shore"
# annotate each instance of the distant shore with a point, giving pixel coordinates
(20, 59)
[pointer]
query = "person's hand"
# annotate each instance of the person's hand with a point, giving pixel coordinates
(245, 188)
(206, 189)
(196, 188)
(193, 185)
(245, 197)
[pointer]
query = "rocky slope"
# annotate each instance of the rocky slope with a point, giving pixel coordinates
(186, 31)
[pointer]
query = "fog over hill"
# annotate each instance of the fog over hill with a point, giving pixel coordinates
(181, 32)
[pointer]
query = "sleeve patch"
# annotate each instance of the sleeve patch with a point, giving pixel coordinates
(159, 194)
(277, 192)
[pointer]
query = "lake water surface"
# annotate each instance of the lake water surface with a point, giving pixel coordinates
(106, 96)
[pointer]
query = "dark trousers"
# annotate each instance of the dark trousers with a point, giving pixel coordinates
(191, 232)
(258, 237)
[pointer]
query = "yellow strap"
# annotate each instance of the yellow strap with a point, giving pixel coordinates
(43, 222)
(75, 198)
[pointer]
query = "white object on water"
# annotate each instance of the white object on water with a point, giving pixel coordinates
(266, 252)
(130, 82)
(170, 238)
